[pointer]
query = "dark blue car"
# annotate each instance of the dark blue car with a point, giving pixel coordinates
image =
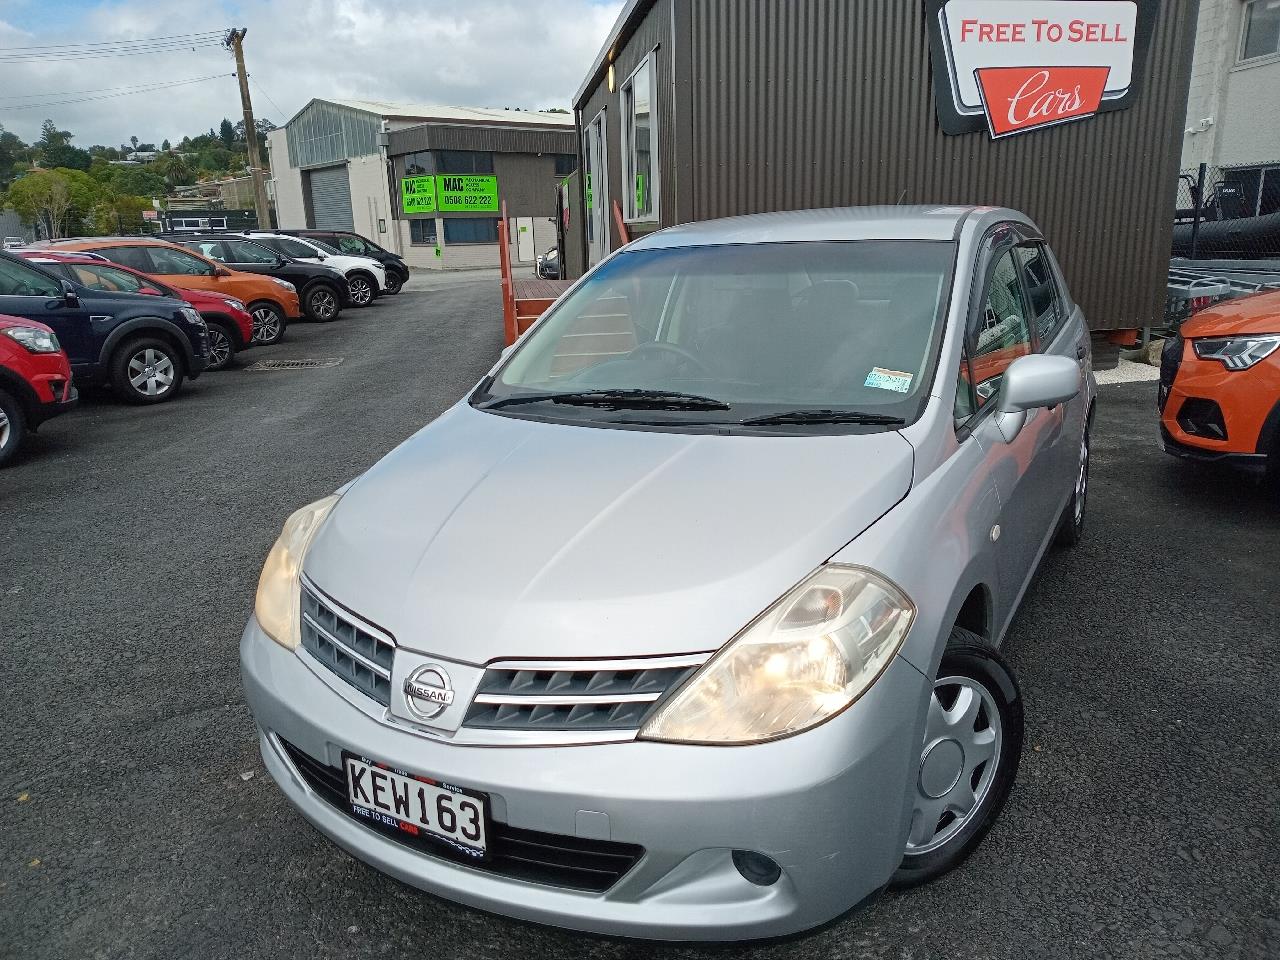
(142, 346)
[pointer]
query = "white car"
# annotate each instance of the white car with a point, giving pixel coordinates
(366, 277)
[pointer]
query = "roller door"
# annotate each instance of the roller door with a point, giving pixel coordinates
(330, 196)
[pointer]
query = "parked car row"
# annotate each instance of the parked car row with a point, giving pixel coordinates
(141, 315)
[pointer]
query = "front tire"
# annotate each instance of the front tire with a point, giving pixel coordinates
(322, 304)
(361, 290)
(146, 370)
(13, 427)
(222, 347)
(973, 742)
(268, 323)
(1071, 526)
(394, 284)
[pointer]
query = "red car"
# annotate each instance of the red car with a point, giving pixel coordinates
(230, 323)
(35, 381)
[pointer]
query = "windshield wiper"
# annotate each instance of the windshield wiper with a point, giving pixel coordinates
(615, 400)
(824, 416)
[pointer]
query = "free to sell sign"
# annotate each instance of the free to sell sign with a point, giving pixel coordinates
(1012, 66)
(470, 193)
(418, 194)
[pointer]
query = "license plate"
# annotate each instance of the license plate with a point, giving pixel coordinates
(415, 805)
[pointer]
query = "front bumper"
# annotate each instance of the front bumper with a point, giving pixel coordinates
(67, 397)
(830, 806)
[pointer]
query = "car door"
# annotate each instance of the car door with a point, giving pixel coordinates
(38, 295)
(249, 256)
(181, 268)
(1060, 330)
(1025, 470)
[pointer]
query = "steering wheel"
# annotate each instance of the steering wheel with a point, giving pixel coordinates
(662, 348)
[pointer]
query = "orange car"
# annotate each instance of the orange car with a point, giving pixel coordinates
(1220, 385)
(272, 303)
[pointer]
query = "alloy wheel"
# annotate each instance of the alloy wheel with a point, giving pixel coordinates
(1082, 480)
(360, 291)
(6, 429)
(324, 305)
(958, 764)
(393, 284)
(219, 348)
(151, 372)
(266, 325)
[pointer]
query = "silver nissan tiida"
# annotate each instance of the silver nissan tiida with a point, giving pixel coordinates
(684, 624)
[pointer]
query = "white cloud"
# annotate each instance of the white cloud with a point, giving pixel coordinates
(526, 53)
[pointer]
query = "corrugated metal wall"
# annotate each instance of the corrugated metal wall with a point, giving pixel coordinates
(494, 139)
(812, 103)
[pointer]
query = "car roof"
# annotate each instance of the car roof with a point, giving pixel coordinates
(71, 243)
(834, 224)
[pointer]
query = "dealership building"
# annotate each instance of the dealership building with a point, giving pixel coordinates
(426, 182)
(1069, 110)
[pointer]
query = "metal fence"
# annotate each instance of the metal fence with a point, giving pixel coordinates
(1228, 213)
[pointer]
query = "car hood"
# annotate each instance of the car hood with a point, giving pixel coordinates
(486, 537)
(1259, 313)
(344, 263)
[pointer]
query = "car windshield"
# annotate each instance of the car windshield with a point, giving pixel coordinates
(327, 248)
(762, 334)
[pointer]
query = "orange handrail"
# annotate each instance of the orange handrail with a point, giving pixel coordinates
(621, 223)
(509, 328)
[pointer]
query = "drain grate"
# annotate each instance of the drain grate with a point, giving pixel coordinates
(294, 364)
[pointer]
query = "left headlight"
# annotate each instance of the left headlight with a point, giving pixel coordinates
(277, 603)
(1238, 353)
(804, 660)
(192, 316)
(33, 339)
(284, 283)
(233, 303)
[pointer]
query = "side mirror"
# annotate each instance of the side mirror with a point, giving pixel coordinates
(149, 291)
(69, 296)
(221, 272)
(1032, 382)
(281, 262)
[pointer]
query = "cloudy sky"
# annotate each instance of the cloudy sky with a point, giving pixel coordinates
(526, 53)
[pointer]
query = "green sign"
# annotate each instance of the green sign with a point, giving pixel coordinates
(467, 193)
(640, 205)
(418, 194)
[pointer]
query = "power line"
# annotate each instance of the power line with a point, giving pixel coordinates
(154, 88)
(114, 43)
(75, 93)
(105, 53)
(279, 110)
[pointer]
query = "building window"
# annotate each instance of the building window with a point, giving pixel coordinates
(479, 230)
(566, 163)
(1261, 29)
(640, 142)
(1247, 192)
(422, 233)
(464, 161)
(415, 164)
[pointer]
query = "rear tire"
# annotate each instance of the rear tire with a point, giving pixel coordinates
(146, 370)
(222, 347)
(13, 427)
(968, 762)
(268, 323)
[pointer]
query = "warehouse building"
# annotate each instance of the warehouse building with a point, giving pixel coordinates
(427, 182)
(1070, 110)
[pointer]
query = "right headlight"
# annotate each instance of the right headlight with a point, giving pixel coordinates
(804, 660)
(284, 283)
(1238, 353)
(279, 592)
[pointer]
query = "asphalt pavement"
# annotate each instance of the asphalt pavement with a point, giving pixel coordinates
(136, 819)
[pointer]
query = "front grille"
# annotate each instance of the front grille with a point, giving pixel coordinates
(1202, 417)
(1170, 362)
(602, 695)
(360, 657)
(548, 858)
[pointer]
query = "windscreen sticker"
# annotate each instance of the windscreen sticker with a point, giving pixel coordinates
(894, 380)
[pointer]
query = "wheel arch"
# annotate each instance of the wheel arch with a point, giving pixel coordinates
(147, 327)
(14, 385)
(227, 323)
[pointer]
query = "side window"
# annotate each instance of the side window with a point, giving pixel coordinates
(966, 404)
(347, 244)
(136, 258)
(246, 251)
(1047, 311)
(171, 262)
(213, 249)
(1003, 328)
(19, 280)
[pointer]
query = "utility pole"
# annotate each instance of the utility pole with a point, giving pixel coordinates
(235, 42)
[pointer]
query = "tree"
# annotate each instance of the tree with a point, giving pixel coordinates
(134, 141)
(166, 146)
(555, 110)
(263, 127)
(55, 149)
(11, 151)
(227, 133)
(54, 198)
(175, 170)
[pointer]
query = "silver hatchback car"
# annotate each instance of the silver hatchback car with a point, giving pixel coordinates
(684, 623)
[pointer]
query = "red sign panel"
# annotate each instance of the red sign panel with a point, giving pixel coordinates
(1023, 98)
